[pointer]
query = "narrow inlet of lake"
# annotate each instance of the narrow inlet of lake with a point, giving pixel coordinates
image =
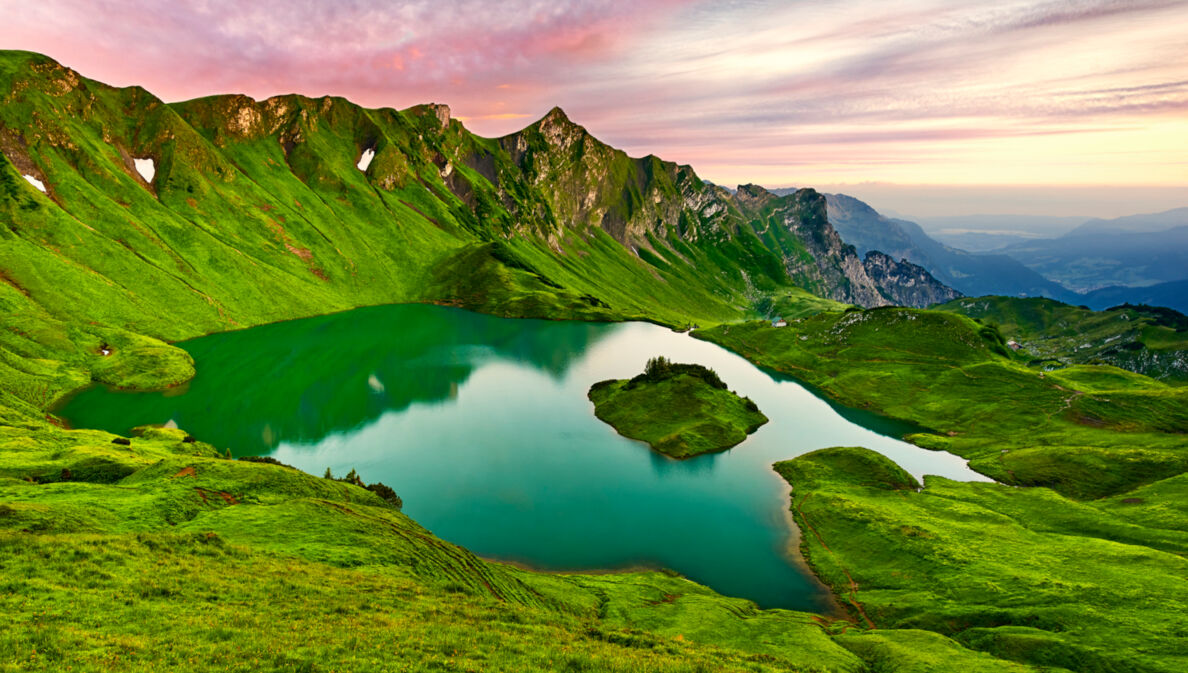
(482, 425)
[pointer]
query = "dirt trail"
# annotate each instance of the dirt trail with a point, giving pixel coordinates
(852, 597)
(227, 497)
(1068, 402)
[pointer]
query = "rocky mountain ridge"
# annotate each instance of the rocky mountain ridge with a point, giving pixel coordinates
(255, 205)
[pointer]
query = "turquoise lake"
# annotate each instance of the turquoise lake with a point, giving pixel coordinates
(482, 425)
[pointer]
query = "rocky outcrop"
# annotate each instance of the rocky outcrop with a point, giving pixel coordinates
(814, 256)
(587, 183)
(904, 283)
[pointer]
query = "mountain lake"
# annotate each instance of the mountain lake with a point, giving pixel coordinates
(481, 424)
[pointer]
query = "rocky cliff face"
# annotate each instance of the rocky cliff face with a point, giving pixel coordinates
(587, 183)
(644, 202)
(904, 283)
(817, 258)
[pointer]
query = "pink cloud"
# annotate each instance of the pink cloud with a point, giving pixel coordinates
(761, 82)
(376, 52)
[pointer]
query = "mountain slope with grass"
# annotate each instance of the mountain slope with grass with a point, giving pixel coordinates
(257, 211)
(1024, 575)
(1143, 339)
(127, 223)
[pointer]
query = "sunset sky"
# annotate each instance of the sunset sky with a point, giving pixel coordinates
(1071, 93)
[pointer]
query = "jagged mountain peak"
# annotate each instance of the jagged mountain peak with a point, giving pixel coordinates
(556, 116)
(555, 128)
(753, 196)
(558, 129)
(439, 110)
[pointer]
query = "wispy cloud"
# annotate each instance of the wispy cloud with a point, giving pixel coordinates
(768, 90)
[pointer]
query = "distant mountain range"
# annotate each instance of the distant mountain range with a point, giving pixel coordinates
(1173, 294)
(984, 233)
(1138, 259)
(1146, 223)
(971, 274)
(1137, 250)
(1087, 261)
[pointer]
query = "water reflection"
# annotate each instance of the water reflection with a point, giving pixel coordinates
(302, 380)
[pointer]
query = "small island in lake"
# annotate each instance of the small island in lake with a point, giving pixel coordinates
(681, 410)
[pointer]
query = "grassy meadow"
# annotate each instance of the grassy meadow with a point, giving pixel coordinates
(1147, 340)
(1021, 574)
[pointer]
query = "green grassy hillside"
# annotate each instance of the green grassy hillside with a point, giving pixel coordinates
(1144, 339)
(1083, 431)
(163, 554)
(1025, 575)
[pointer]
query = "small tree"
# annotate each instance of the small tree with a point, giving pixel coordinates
(386, 493)
(657, 367)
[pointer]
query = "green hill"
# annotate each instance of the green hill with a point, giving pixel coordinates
(680, 410)
(1144, 339)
